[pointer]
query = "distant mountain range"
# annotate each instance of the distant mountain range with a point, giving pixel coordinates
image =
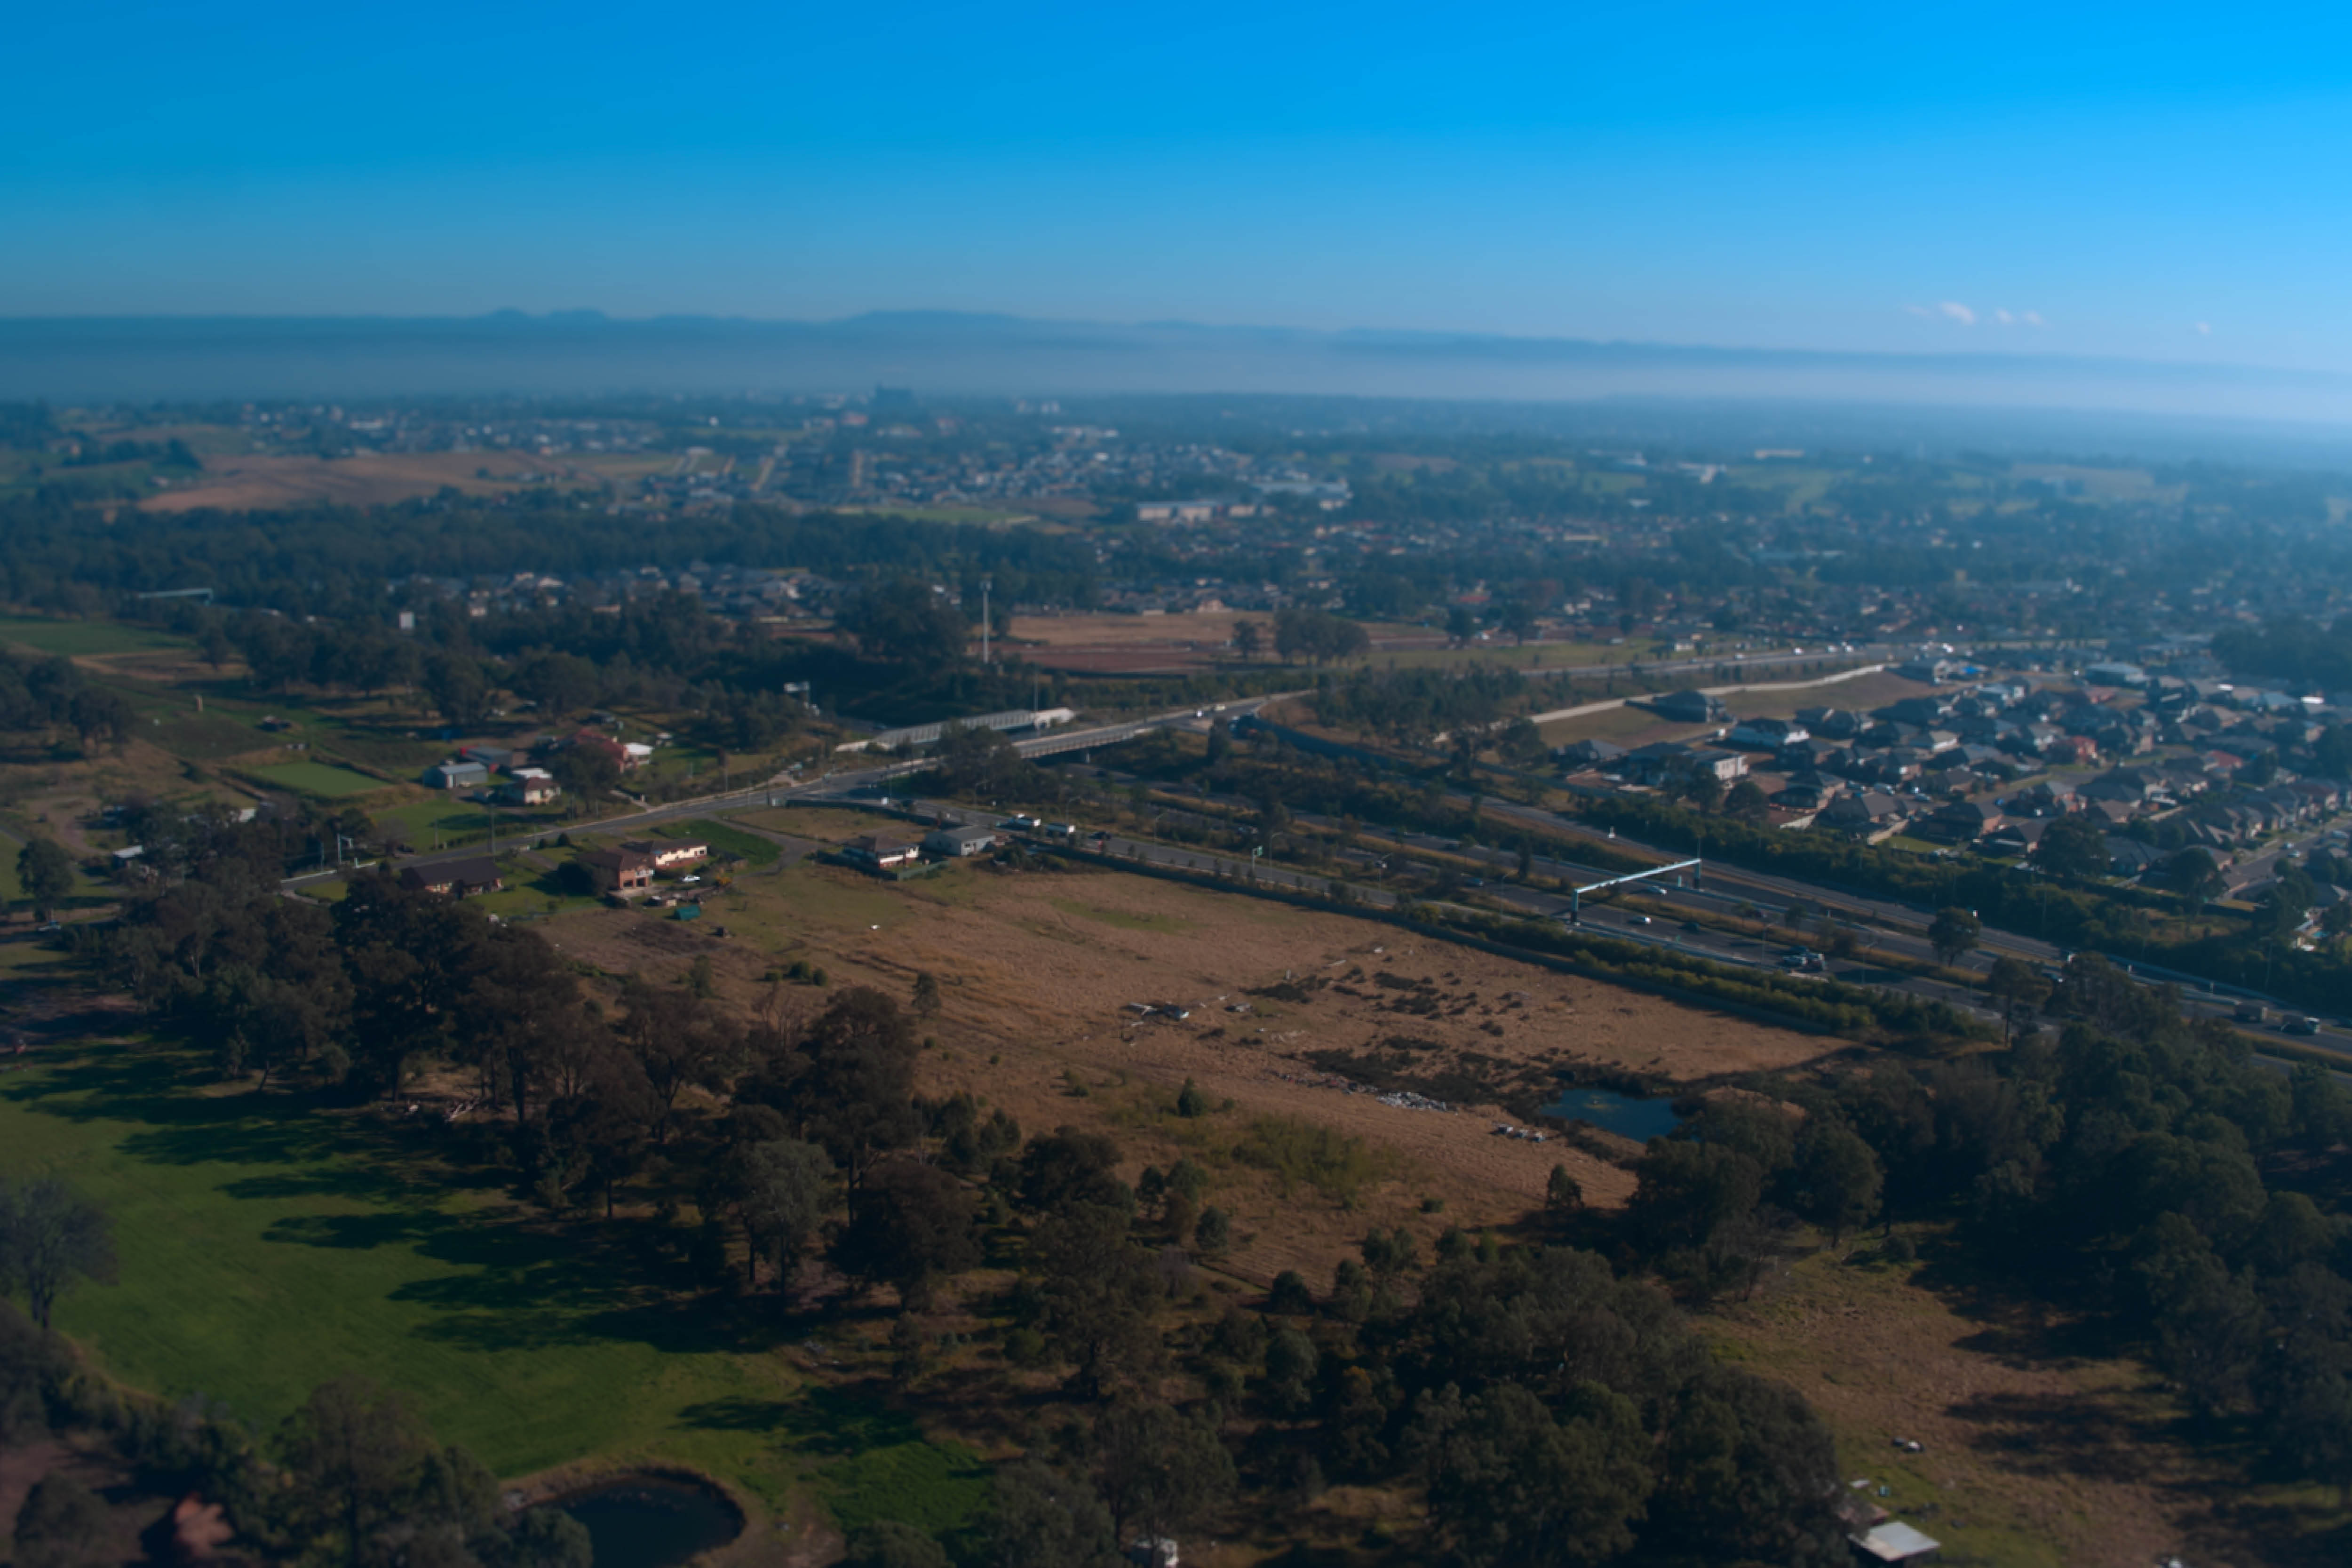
(944, 353)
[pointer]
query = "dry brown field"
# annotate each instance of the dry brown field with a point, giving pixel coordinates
(1136, 644)
(249, 481)
(1040, 970)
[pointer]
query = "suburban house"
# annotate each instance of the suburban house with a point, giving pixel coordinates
(453, 878)
(1833, 723)
(1580, 754)
(589, 739)
(958, 841)
(530, 786)
(1768, 735)
(881, 851)
(491, 757)
(1664, 760)
(1960, 821)
(1868, 814)
(1690, 707)
(621, 871)
(456, 775)
(670, 853)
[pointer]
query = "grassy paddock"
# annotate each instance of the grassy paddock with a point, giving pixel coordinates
(71, 637)
(725, 839)
(267, 1243)
(323, 779)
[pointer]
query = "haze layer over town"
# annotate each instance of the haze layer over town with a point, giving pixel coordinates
(1323, 788)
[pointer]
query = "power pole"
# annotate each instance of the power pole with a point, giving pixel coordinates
(985, 584)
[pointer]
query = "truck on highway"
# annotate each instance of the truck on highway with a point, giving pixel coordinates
(2250, 1012)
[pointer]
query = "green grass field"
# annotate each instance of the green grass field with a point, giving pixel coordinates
(320, 779)
(724, 840)
(267, 1245)
(82, 637)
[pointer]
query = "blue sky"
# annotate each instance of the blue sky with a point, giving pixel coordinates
(2152, 181)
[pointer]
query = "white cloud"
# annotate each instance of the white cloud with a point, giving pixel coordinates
(1958, 312)
(2032, 318)
(2004, 317)
(2204, 328)
(1919, 310)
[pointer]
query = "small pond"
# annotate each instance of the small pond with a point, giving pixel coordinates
(1640, 1120)
(652, 1521)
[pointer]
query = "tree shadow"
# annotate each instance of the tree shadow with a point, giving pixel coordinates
(2063, 1433)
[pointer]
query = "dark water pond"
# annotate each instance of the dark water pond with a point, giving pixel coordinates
(1640, 1120)
(653, 1522)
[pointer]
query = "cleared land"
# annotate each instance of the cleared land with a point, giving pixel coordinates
(1040, 970)
(252, 482)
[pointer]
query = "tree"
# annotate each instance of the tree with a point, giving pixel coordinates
(550, 1538)
(904, 622)
(1953, 933)
(1160, 1472)
(786, 1192)
(2073, 846)
(1686, 1192)
(355, 1451)
(1748, 1473)
(1522, 744)
(1747, 802)
(925, 1000)
(100, 714)
(587, 770)
(974, 760)
(1094, 1293)
(1044, 1519)
(679, 1042)
(1563, 1192)
(2018, 988)
(46, 871)
(909, 1225)
(49, 1234)
(2193, 876)
(62, 1524)
(457, 688)
(1510, 1485)
(1248, 637)
(855, 1091)
(1835, 1178)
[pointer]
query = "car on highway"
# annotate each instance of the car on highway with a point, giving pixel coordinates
(1692, 927)
(1022, 824)
(1057, 830)
(1637, 920)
